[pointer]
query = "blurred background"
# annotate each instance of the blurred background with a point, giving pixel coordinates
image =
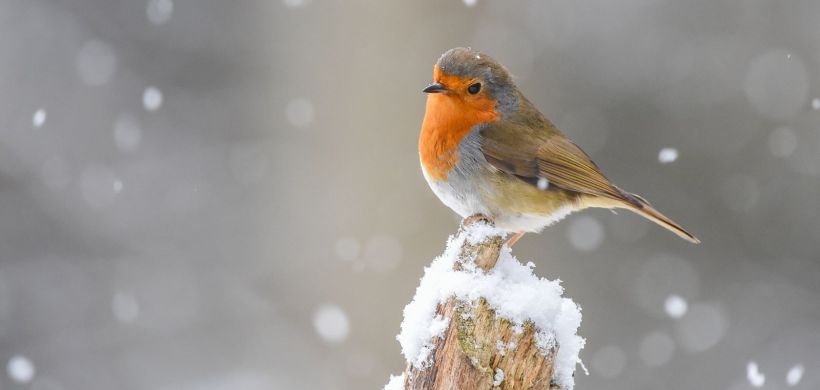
(201, 194)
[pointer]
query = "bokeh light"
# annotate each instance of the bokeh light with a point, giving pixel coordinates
(383, 253)
(704, 325)
(753, 374)
(794, 375)
(657, 348)
(127, 133)
(159, 11)
(782, 142)
(777, 84)
(39, 118)
(332, 323)
(152, 99)
(347, 248)
(608, 361)
(661, 277)
(675, 306)
(185, 177)
(20, 369)
(585, 233)
(667, 155)
(96, 63)
(300, 112)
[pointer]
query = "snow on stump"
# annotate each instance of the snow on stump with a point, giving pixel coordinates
(482, 320)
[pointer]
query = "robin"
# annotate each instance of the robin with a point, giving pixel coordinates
(485, 149)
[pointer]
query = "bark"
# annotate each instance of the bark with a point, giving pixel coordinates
(478, 345)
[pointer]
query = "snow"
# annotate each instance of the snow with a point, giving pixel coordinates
(39, 118)
(439, 325)
(755, 377)
(20, 369)
(667, 155)
(675, 306)
(396, 383)
(660, 276)
(152, 99)
(794, 375)
(510, 289)
(503, 347)
(331, 323)
(498, 378)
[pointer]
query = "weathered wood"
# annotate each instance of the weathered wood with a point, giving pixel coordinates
(477, 345)
(484, 254)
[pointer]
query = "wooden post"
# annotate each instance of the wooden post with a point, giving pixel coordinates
(478, 350)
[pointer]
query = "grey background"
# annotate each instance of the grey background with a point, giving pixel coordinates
(276, 191)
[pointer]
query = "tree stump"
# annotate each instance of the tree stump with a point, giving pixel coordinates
(479, 350)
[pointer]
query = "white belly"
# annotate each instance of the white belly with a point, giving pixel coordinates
(465, 202)
(466, 199)
(532, 223)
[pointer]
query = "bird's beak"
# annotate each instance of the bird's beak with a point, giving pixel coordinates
(435, 88)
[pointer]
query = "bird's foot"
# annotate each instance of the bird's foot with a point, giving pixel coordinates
(515, 237)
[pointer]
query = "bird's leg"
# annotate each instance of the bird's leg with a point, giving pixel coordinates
(515, 238)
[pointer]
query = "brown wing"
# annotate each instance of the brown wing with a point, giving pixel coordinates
(534, 152)
(535, 149)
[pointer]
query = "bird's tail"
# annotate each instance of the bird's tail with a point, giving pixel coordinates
(640, 206)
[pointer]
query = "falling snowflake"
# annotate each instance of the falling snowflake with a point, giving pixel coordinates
(331, 323)
(755, 377)
(667, 155)
(152, 99)
(20, 369)
(675, 306)
(39, 118)
(794, 375)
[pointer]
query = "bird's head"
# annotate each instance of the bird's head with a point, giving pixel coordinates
(474, 81)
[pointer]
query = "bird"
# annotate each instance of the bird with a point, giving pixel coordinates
(486, 150)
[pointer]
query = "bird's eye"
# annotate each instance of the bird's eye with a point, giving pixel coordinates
(473, 89)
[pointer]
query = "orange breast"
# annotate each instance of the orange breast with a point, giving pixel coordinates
(447, 120)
